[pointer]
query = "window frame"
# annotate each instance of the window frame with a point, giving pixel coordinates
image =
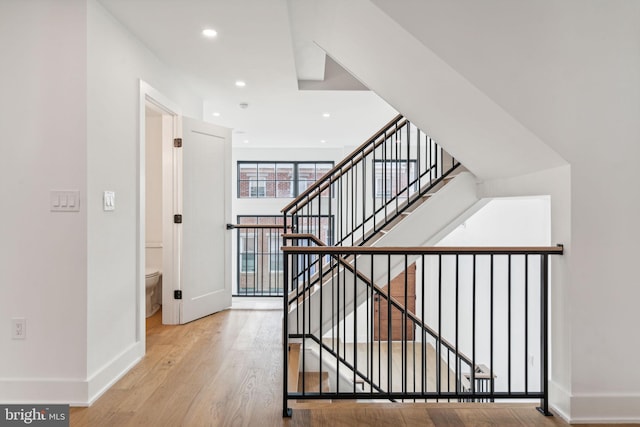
(261, 182)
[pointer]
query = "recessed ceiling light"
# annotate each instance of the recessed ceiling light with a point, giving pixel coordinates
(326, 115)
(246, 141)
(209, 32)
(322, 141)
(216, 114)
(240, 83)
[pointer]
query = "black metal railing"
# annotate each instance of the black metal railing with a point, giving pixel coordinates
(368, 190)
(259, 260)
(476, 329)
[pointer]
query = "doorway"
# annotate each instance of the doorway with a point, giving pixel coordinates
(159, 117)
(192, 163)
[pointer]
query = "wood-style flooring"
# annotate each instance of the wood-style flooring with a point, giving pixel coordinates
(226, 370)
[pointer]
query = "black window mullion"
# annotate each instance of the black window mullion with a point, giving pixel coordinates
(255, 181)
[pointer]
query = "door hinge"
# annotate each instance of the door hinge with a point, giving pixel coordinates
(177, 219)
(177, 294)
(177, 142)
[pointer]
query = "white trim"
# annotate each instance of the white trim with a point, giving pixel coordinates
(113, 371)
(171, 120)
(559, 400)
(45, 391)
(593, 408)
(605, 408)
(75, 392)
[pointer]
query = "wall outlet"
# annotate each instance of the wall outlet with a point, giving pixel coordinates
(19, 328)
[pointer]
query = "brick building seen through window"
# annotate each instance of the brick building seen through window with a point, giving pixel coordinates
(278, 179)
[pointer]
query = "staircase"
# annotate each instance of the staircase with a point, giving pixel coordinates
(399, 188)
(388, 176)
(379, 195)
(360, 228)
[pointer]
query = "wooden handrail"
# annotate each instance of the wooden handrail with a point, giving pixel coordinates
(432, 250)
(348, 159)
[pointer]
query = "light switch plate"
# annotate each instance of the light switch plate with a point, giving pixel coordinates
(109, 201)
(64, 201)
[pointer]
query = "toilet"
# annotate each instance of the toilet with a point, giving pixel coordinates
(153, 297)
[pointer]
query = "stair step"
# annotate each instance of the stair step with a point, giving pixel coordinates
(312, 381)
(293, 371)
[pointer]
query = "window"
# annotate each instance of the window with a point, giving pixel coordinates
(258, 188)
(278, 179)
(308, 173)
(392, 177)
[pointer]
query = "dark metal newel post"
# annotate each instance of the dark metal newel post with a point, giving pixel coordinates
(544, 341)
(286, 411)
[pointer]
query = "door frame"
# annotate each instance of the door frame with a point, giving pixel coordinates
(171, 128)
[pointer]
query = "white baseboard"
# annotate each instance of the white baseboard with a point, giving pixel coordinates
(559, 400)
(605, 408)
(42, 391)
(594, 408)
(110, 373)
(75, 392)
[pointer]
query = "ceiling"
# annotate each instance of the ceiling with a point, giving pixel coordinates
(255, 44)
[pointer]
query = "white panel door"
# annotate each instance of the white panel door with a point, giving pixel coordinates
(205, 242)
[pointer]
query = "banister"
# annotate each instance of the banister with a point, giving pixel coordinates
(359, 250)
(368, 192)
(342, 163)
(412, 316)
(372, 186)
(433, 250)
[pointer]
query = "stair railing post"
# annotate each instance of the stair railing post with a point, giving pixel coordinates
(286, 411)
(544, 336)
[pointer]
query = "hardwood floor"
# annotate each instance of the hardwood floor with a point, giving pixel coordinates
(226, 370)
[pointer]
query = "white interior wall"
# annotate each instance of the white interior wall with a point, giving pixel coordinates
(43, 269)
(518, 221)
(78, 130)
(427, 90)
(568, 71)
(114, 280)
